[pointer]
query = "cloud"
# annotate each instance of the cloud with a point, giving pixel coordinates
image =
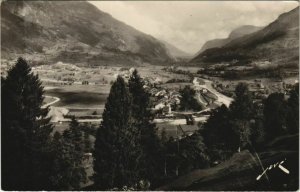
(189, 24)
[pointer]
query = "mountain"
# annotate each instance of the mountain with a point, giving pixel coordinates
(236, 33)
(176, 52)
(277, 43)
(75, 32)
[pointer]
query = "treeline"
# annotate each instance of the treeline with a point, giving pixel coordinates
(128, 154)
(245, 125)
(221, 71)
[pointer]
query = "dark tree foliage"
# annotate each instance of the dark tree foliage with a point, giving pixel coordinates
(242, 107)
(87, 143)
(68, 150)
(219, 136)
(293, 110)
(241, 114)
(25, 131)
(188, 101)
(275, 113)
(258, 133)
(192, 153)
(142, 120)
(117, 152)
(56, 179)
(182, 155)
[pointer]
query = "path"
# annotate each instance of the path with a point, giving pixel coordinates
(208, 85)
(56, 99)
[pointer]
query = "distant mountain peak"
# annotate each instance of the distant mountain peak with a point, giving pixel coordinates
(236, 33)
(175, 51)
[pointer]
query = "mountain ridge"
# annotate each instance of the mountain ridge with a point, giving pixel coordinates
(278, 43)
(236, 33)
(175, 51)
(82, 34)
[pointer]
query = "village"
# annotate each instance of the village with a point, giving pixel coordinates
(67, 86)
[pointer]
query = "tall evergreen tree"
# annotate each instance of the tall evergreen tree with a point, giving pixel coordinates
(74, 143)
(87, 142)
(219, 137)
(116, 153)
(68, 150)
(242, 106)
(275, 111)
(25, 131)
(192, 153)
(293, 110)
(241, 112)
(142, 120)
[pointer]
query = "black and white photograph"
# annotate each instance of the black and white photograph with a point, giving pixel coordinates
(149, 95)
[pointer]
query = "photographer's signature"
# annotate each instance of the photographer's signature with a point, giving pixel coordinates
(278, 164)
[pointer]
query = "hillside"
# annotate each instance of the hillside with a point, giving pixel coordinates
(236, 33)
(239, 172)
(278, 43)
(176, 52)
(75, 32)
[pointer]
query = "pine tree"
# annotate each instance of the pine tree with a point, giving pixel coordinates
(76, 152)
(68, 150)
(57, 179)
(25, 131)
(275, 113)
(219, 137)
(242, 107)
(116, 153)
(142, 119)
(192, 153)
(87, 142)
(293, 110)
(241, 112)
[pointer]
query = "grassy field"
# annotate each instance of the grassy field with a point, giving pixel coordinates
(83, 112)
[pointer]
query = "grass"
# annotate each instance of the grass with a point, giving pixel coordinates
(239, 173)
(83, 112)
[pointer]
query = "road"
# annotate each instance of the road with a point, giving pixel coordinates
(56, 99)
(208, 85)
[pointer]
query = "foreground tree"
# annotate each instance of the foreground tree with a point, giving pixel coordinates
(192, 153)
(241, 114)
(68, 151)
(242, 107)
(293, 110)
(25, 131)
(219, 137)
(188, 101)
(142, 120)
(117, 151)
(275, 111)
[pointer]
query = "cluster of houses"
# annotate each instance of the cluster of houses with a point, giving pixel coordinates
(164, 100)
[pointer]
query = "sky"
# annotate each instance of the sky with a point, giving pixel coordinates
(189, 24)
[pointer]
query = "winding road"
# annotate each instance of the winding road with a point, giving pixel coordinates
(56, 99)
(208, 85)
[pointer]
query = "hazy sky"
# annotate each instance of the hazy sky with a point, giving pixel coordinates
(189, 24)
